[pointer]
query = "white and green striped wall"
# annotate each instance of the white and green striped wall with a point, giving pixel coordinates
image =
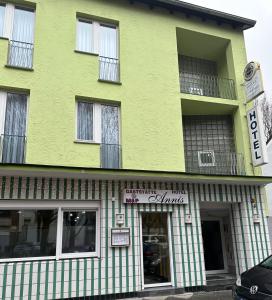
(118, 270)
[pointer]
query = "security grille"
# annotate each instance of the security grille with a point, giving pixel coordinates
(209, 145)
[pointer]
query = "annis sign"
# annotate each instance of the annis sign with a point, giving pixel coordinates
(253, 81)
(139, 196)
(257, 140)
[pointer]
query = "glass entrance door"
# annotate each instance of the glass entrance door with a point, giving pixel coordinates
(214, 252)
(155, 242)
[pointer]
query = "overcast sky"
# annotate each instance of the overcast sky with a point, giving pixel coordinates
(258, 39)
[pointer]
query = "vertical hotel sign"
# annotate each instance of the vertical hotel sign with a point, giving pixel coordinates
(257, 139)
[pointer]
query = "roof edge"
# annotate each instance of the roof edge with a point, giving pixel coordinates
(202, 12)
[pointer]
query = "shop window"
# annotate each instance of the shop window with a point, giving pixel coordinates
(28, 233)
(50, 232)
(79, 232)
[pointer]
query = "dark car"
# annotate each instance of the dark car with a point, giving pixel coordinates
(255, 283)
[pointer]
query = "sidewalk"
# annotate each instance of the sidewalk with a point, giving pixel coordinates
(219, 295)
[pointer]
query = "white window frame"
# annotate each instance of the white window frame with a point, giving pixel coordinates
(96, 123)
(201, 164)
(61, 207)
(96, 33)
(9, 19)
(3, 103)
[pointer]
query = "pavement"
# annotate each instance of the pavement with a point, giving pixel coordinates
(218, 295)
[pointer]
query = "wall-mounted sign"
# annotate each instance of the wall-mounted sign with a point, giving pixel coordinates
(257, 139)
(253, 81)
(120, 237)
(138, 196)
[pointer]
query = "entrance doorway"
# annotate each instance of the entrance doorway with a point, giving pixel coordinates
(214, 246)
(155, 249)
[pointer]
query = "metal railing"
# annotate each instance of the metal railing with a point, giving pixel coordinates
(12, 149)
(109, 69)
(214, 163)
(20, 54)
(110, 156)
(207, 85)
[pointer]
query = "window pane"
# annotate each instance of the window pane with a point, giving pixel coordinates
(84, 36)
(23, 26)
(15, 127)
(2, 16)
(79, 231)
(27, 233)
(108, 41)
(85, 121)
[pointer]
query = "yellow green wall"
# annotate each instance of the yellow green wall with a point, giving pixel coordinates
(150, 98)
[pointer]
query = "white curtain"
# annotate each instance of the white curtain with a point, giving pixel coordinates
(21, 49)
(108, 52)
(84, 36)
(108, 41)
(85, 121)
(110, 148)
(23, 26)
(15, 128)
(2, 16)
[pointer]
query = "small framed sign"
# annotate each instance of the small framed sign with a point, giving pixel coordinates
(120, 237)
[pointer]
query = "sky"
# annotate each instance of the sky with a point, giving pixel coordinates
(259, 38)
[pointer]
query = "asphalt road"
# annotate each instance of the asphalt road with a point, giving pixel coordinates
(220, 295)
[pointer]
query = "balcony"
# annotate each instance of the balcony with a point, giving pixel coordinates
(20, 54)
(214, 163)
(12, 149)
(110, 156)
(207, 85)
(109, 69)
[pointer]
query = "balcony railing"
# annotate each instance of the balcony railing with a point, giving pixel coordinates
(110, 156)
(207, 85)
(20, 54)
(109, 69)
(214, 163)
(12, 149)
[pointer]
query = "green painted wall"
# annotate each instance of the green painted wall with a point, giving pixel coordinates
(151, 132)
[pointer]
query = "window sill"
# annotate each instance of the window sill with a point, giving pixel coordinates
(31, 259)
(86, 142)
(19, 68)
(109, 81)
(86, 53)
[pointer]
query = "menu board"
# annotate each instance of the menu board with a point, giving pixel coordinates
(120, 237)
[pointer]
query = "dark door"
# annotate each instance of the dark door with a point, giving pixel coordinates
(212, 244)
(155, 248)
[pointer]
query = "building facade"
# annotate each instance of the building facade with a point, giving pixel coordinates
(125, 155)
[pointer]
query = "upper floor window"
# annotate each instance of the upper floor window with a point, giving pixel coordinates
(99, 123)
(101, 39)
(13, 115)
(18, 26)
(2, 16)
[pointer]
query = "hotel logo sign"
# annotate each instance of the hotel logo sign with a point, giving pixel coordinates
(253, 81)
(143, 196)
(257, 140)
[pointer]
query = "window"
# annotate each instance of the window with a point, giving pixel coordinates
(102, 39)
(17, 24)
(13, 115)
(99, 123)
(69, 230)
(27, 233)
(2, 17)
(78, 233)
